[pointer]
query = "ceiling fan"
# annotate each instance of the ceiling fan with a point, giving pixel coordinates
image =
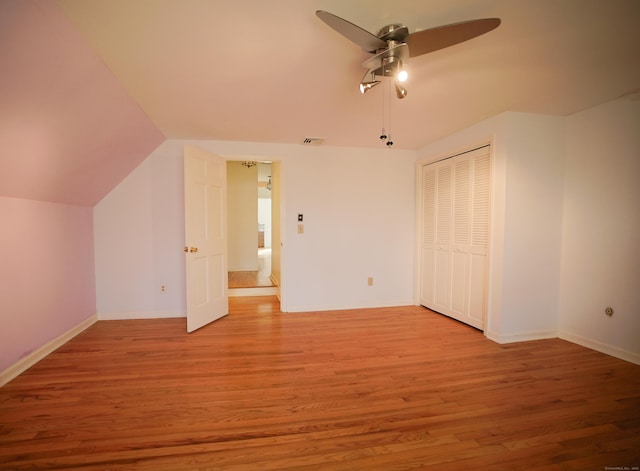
(394, 45)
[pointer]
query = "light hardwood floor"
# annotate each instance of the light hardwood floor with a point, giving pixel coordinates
(373, 389)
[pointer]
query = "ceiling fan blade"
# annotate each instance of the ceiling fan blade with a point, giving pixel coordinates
(429, 40)
(354, 33)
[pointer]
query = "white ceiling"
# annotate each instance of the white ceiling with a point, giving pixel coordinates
(271, 71)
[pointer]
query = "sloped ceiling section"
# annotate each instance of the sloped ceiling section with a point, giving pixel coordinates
(271, 71)
(69, 131)
(88, 88)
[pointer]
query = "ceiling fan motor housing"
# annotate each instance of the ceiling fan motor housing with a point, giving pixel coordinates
(395, 32)
(394, 35)
(389, 66)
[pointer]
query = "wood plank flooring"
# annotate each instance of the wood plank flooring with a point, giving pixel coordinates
(249, 279)
(373, 389)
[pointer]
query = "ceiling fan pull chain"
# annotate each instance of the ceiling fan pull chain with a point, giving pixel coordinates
(383, 134)
(389, 141)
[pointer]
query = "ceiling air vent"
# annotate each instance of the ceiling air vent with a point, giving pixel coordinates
(312, 141)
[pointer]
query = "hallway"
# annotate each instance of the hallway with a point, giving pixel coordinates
(254, 279)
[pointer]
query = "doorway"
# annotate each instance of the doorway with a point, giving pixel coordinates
(252, 219)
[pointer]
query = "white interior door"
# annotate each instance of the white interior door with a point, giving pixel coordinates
(205, 237)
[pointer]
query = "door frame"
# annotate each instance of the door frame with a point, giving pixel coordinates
(282, 213)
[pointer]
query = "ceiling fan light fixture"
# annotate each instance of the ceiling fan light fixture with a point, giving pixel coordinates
(402, 75)
(366, 86)
(401, 92)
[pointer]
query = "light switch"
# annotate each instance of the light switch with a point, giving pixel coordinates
(300, 217)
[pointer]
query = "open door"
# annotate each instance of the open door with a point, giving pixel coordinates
(205, 193)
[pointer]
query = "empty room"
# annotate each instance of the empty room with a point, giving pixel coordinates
(445, 196)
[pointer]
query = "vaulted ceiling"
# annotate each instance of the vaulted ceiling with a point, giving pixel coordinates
(90, 87)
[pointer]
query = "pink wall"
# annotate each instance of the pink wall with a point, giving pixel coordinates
(47, 281)
(69, 131)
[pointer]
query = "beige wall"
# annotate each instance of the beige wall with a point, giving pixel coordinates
(242, 216)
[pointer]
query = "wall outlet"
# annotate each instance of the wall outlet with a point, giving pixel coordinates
(163, 288)
(370, 281)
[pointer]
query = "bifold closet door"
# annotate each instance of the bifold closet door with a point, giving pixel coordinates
(455, 236)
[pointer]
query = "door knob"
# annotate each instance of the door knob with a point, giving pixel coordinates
(193, 249)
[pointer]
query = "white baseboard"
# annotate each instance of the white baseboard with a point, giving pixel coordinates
(522, 336)
(342, 307)
(117, 316)
(34, 357)
(601, 347)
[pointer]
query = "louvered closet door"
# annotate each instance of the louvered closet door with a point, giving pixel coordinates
(479, 249)
(460, 240)
(455, 236)
(443, 238)
(427, 289)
